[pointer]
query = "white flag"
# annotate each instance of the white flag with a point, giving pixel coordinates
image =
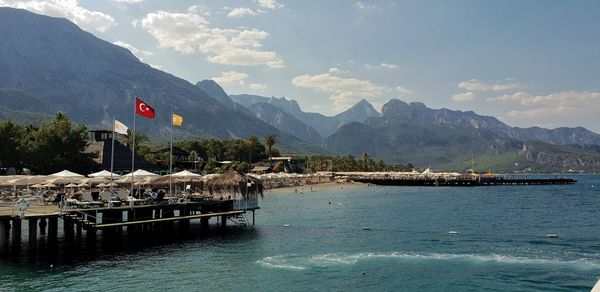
(120, 128)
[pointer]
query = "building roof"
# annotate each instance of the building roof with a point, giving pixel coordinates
(282, 158)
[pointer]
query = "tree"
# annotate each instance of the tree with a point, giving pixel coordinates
(214, 149)
(366, 161)
(256, 150)
(141, 139)
(270, 140)
(11, 148)
(58, 145)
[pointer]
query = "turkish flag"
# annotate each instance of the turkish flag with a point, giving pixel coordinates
(143, 109)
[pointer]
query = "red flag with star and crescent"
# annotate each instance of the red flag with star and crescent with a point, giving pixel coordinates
(143, 109)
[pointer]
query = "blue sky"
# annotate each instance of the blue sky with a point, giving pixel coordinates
(525, 62)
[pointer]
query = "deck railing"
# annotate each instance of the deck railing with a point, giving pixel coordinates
(248, 203)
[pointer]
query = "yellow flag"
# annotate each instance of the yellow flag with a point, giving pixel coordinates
(177, 120)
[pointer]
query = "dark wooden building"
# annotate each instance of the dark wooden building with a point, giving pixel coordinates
(100, 143)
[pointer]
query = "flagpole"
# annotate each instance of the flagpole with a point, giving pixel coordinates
(133, 148)
(171, 161)
(112, 157)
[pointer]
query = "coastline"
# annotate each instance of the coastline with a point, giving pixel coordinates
(315, 187)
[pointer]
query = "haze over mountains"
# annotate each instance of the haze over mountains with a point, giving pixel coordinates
(49, 65)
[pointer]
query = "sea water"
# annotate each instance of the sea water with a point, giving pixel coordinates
(319, 241)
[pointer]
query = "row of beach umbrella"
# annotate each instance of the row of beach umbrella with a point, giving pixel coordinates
(69, 179)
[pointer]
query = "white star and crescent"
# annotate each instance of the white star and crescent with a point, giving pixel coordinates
(143, 107)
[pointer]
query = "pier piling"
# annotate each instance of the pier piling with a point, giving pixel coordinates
(42, 226)
(4, 234)
(32, 230)
(223, 222)
(16, 230)
(52, 229)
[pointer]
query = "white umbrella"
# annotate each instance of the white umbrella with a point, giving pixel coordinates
(95, 180)
(141, 173)
(65, 180)
(49, 185)
(185, 173)
(104, 185)
(66, 173)
(83, 185)
(103, 174)
(71, 185)
(37, 186)
(25, 180)
(127, 180)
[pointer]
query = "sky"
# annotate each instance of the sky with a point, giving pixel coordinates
(528, 63)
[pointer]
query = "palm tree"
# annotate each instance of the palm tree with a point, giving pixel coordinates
(252, 142)
(366, 161)
(270, 140)
(140, 139)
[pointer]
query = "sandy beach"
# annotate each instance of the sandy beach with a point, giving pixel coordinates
(315, 187)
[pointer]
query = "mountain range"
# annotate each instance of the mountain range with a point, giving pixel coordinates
(324, 125)
(49, 64)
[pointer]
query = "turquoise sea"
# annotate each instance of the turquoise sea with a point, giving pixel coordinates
(501, 245)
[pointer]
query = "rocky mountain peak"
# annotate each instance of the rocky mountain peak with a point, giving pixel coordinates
(214, 90)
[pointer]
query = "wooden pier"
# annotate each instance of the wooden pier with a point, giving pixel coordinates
(462, 181)
(143, 220)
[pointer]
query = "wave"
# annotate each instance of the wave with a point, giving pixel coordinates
(279, 262)
(295, 262)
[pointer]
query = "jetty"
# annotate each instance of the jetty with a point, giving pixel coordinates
(230, 198)
(429, 178)
(48, 223)
(463, 182)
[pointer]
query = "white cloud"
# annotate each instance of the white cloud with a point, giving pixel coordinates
(269, 4)
(362, 6)
(389, 66)
(465, 96)
(543, 112)
(403, 90)
(140, 54)
(241, 11)
(338, 71)
(381, 66)
(567, 99)
(345, 92)
(257, 86)
(563, 107)
(190, 33)
(128, 1)
(69, 9)
(476, 85)
(231, 78)
(159, 67)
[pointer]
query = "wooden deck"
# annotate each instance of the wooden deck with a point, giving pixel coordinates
(139, 220)
(190, 217)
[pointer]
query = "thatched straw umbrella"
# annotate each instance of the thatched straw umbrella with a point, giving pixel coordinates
(234, 183)
(163, 181)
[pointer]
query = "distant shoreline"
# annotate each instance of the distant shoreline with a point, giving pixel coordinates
(315, 187)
